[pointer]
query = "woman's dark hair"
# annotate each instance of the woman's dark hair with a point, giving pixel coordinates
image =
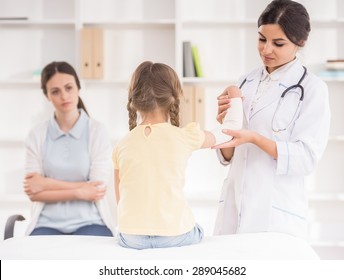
(291, 16)
(60, 67)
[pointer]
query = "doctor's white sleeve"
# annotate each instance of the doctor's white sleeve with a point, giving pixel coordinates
(308, 139)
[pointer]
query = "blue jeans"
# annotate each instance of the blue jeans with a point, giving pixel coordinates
(97, 230)
(140, 242)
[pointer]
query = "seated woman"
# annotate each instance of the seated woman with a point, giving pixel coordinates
(68, 164)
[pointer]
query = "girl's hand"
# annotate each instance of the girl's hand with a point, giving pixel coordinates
(224, 100)
(223, 103)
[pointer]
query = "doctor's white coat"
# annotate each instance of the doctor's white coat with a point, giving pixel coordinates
(261, 193)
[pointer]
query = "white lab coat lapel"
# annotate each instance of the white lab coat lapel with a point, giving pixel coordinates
(289, 80)
(249, 91)
(274, 93)
(270, 97)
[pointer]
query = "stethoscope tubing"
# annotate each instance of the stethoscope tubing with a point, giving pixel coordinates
(298, 85)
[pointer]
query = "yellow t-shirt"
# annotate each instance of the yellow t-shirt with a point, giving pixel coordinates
(152, 173)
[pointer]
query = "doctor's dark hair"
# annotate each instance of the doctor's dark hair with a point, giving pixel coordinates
(291, 16)
(154, 86)
(60, 67)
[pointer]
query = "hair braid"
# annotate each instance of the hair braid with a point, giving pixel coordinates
(174, 111)
(132, 115)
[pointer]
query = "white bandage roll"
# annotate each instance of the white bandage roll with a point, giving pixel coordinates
(233, 120)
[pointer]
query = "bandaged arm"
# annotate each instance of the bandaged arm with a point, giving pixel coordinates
(233, 121)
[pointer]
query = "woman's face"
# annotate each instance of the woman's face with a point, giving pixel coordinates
(63, 92)
(275, 49)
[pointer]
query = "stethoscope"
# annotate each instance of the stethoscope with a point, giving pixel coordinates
(298, 85)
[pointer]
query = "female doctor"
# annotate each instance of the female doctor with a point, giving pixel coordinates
(285, 131)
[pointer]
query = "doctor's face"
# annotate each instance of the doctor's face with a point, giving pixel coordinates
(275, 49)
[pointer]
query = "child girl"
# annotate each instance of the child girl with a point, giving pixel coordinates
(150, 163)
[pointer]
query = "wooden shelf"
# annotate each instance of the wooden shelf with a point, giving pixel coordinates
(326, 197)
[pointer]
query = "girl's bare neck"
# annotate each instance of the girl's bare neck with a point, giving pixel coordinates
(154, 117)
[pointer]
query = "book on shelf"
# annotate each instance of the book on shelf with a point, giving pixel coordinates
(188, 62)
(335, 64)
(197, 62)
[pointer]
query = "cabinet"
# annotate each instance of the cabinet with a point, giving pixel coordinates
(36, 32)
(192, 105)
(91, 53)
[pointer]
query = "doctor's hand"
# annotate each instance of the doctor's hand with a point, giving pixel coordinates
(241, 136)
